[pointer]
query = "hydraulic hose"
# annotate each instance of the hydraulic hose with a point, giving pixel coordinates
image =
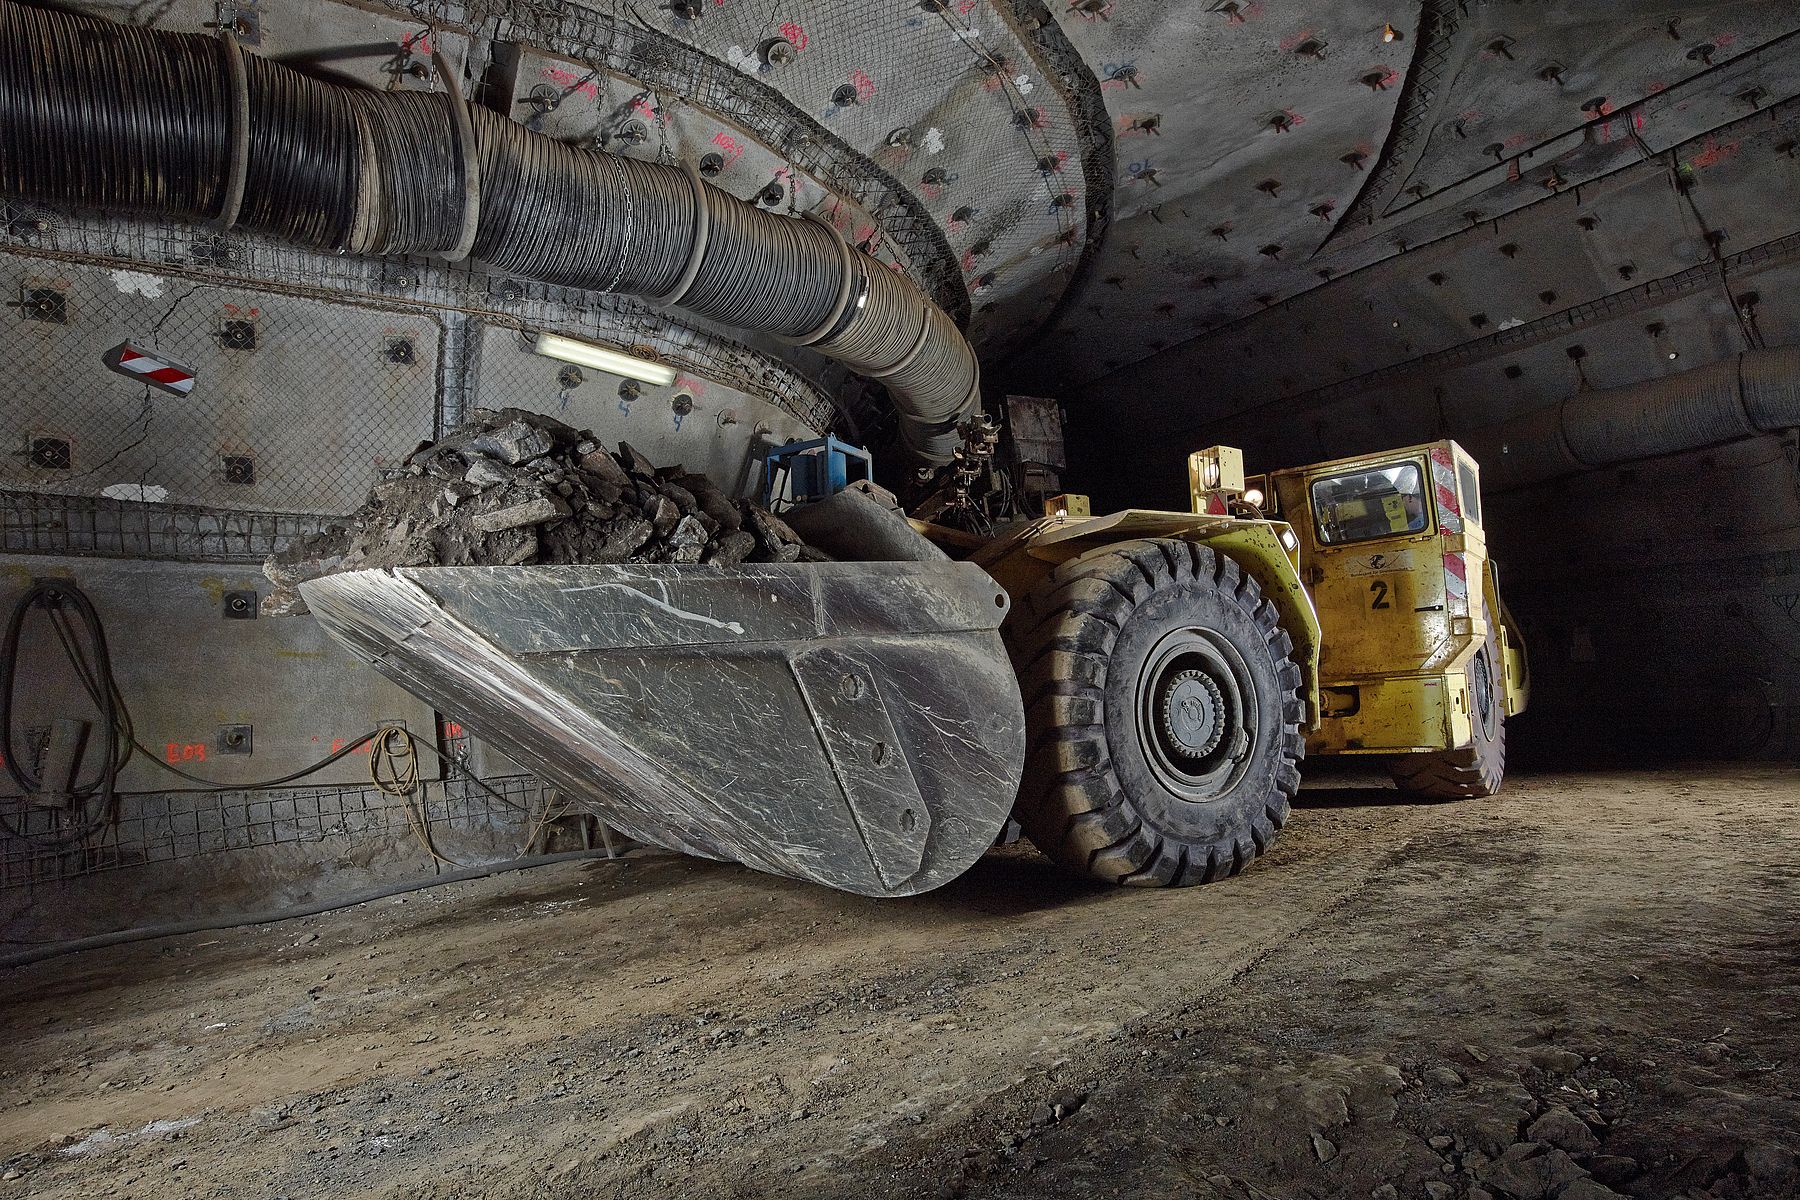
(1750, 393)
(100, 115)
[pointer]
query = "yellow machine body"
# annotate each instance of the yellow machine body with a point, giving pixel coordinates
(1378, 565)
(1394, 555)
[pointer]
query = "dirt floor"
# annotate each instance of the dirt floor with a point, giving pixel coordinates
(1589, 985)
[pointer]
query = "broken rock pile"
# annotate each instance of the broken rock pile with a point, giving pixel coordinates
(514, 487)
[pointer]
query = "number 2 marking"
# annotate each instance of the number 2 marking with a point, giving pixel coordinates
(1379, 589)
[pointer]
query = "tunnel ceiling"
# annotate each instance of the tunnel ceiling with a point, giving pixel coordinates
(1265, 150)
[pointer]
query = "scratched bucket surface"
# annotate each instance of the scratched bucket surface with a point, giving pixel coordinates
(853, 724)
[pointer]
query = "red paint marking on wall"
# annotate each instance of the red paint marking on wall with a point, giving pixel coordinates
(571, 81)
(1294, 39)
(452, 729)
(733, 148)
(794, 34)
(865, 87)
(1714, 153)
(177, 752)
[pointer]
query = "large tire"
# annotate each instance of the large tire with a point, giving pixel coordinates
(1478, 769)
(1162, 715)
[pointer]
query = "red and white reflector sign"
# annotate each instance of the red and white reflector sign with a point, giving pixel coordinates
(151, 367)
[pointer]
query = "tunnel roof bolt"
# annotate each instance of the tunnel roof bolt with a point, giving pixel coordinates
(777, 53)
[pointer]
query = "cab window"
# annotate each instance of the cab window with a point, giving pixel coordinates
(1471, 495)
(1360, 506)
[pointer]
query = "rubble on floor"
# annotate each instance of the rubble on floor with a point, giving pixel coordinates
(514, 487)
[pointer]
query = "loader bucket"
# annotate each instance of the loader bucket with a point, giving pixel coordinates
(853, 724)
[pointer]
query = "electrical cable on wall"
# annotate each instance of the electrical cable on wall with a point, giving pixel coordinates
(72, 617)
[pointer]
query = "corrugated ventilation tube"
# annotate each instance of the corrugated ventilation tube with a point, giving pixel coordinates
(1741, 396)
(101, 115)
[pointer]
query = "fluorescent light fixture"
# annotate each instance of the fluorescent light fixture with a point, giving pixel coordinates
(586, 354)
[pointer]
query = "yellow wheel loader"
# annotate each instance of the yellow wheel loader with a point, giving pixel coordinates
(1138, 688)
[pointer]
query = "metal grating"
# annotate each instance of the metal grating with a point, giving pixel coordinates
(46, 523)
(172, 826)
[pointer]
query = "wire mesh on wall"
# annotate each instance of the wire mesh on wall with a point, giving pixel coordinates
(439, 290)
(226, 396)
(172, 826)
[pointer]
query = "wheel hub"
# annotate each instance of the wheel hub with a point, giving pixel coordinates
(1484, 691)
(1196, 713)
(1193, 714)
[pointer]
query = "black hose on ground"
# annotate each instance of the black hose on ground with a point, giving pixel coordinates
(109, 116)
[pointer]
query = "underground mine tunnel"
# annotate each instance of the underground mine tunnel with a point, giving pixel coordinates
(915, 598)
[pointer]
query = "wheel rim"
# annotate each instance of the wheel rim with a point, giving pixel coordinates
(1483, 682)
(1197, 714)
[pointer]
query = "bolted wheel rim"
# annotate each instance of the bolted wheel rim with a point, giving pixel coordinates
(1482, 680)
(1197, 714)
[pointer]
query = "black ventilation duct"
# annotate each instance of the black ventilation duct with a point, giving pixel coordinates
(1741, 396)
(101, 115)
